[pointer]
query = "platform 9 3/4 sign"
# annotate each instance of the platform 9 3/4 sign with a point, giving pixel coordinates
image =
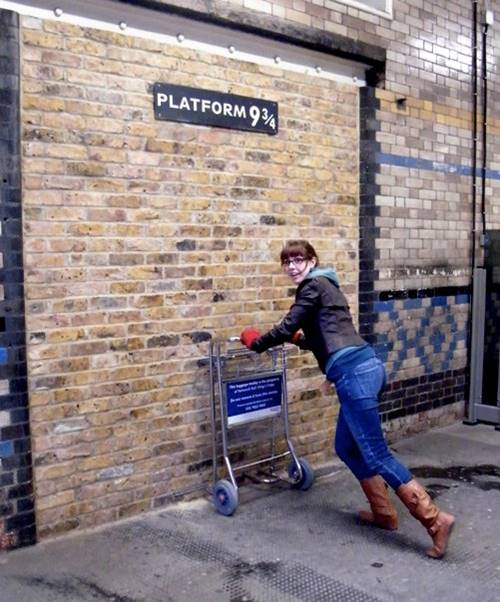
(206, 107)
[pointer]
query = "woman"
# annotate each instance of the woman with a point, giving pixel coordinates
(321, 312)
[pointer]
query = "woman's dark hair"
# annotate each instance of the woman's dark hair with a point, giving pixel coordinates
(298, 248)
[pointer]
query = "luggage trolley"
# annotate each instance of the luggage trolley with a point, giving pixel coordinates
(247, 387)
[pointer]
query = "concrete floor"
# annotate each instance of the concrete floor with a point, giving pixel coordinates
(287, 545)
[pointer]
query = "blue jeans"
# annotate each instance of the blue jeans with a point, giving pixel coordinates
(359, 440)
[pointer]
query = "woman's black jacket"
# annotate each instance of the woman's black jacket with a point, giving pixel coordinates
(321, 311)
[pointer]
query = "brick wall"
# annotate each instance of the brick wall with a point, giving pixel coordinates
(145, 238)
(17, 521)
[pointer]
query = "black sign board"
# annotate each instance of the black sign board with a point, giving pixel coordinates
(206, 107)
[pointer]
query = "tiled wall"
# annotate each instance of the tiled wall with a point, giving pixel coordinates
(419, 333)
(424, 337)
(427, 332)
(17, 520)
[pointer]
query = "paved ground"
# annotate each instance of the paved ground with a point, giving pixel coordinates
(285, 545)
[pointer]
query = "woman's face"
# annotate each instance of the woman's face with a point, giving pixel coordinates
(297, 267)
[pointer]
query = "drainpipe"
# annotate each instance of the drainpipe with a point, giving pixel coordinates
(474, 134)
(471, 416)
(488, 20)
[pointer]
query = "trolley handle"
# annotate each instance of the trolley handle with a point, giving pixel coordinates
(237, 339)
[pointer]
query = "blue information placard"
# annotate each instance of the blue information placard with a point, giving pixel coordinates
(253, 398)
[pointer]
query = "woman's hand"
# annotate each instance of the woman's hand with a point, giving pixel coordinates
(248, 336)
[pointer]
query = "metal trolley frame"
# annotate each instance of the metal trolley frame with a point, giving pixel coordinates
(251, 395)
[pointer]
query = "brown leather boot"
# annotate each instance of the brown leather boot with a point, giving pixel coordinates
(439, 524)
(383, 513)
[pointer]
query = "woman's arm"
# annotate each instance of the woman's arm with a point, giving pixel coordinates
(305, 303)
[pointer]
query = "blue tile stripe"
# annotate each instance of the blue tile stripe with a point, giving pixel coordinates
(427, 164)
(388, 306)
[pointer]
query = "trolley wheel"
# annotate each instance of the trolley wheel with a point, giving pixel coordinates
(225, 497)
(307, 474)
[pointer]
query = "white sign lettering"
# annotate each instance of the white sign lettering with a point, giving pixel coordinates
(185, 103)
